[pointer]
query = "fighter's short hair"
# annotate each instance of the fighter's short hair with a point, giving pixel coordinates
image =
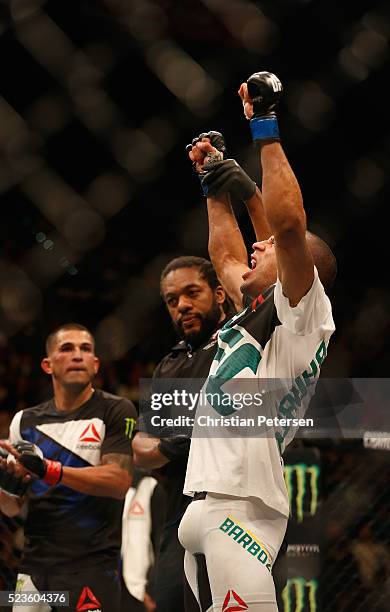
(65, 327)
(323, 259)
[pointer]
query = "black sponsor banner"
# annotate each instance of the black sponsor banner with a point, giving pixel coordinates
(301, 562)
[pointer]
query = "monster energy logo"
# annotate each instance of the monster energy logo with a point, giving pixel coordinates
(302, 479)
(129, 428)
(300, 595)
(19, 584)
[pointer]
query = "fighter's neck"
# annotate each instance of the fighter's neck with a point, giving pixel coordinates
(68, 399)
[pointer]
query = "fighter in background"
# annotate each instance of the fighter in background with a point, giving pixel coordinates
(74, 452)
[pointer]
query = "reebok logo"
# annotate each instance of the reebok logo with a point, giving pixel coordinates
(233, 602)
(88, 601)
(90, 434)
(136, 508)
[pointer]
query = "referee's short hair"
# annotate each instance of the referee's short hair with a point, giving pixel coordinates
(205, 267)
(206, 271)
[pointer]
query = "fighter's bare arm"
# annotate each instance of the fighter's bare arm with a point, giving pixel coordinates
(227, 249)
(283, 207)
(110, 479)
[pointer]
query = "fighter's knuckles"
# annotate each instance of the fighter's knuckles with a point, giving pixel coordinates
(206, 147)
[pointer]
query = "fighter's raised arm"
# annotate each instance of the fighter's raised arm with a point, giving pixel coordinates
(220, 178)
(281, 194)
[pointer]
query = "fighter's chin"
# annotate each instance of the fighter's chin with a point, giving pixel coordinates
(248, 289)
(76, 386)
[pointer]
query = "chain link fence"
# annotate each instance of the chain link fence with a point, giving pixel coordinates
(338, 556)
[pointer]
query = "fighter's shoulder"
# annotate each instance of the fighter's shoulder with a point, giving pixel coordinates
(29, 417)
(37, 410)
(110, 402)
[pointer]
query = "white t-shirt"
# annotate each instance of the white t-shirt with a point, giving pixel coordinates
(275, 341)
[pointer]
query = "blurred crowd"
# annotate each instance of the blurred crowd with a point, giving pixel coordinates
(356, 555)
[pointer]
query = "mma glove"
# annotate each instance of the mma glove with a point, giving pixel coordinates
(222, 175)
(218, 142)
(227, 176)
(10, 483)
(265, 90)
(176, 447)
(31, 457)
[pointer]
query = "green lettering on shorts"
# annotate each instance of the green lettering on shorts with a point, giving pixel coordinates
(245, 540)
(242, 537)
(226, 524)
(254, 549)
(236, 531)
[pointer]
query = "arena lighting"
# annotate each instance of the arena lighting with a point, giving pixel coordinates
(20, 298)
(311, 105)
(175, 68)
(117, 333)
(247, 23)
(365, 178)
(109, 192)
(182, 75)
(366, 45)
(138, 153)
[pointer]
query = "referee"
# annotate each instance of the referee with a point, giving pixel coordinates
(198, 306)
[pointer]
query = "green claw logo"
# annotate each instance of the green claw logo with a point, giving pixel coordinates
(300, 595)
(129, 427)
(302, 482)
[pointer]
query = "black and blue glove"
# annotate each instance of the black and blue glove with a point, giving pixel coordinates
(265, 90)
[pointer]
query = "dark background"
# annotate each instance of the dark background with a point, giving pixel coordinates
(99, 99)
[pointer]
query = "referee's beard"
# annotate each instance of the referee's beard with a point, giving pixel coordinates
(209, 323)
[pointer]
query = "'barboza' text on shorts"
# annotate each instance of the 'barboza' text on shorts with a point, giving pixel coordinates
(240, 538)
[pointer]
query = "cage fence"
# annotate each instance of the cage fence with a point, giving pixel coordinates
(336, 555)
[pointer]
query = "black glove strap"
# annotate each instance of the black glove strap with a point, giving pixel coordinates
(174, 448)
